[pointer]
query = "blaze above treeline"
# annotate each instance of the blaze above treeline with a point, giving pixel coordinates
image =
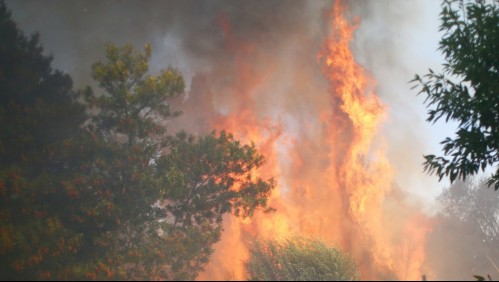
(318, 88)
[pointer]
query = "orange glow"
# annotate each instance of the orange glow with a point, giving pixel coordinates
(334, 180)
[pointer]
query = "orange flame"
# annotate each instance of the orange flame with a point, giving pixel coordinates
(334, 181)
(365, 183)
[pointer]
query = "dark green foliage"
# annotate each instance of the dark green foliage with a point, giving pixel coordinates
(201, 180)
(134, 101)
(37, 108)
(38, 111)
(299, 259)
(152, 205)
(467, 90)
(208, 176)
(481, 278)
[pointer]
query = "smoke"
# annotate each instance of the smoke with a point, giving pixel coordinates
(187, 35)
(254, 65)
(183, 33)
(395, 41)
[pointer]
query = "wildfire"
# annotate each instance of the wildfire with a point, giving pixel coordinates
(365, 184)
(334, 180)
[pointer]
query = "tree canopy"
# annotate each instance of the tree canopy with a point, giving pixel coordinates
(92, 187)
(38, 106)
(299, 259)
(466, 90)
(39, 110)
(135, 101)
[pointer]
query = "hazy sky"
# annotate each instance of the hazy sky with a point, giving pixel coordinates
(395, 40)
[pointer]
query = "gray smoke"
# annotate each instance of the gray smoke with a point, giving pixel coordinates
(184, 34)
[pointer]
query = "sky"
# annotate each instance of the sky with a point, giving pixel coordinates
(394, 41)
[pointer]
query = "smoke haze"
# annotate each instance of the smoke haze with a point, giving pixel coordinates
(253, 67)
(395, 40)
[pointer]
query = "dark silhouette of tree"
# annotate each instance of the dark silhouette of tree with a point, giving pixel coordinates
(38, 114)
(38, 107)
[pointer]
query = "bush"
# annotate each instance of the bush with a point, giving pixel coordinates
(299, 259)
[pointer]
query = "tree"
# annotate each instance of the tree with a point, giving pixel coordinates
(466, 91)
(201, 180)
(38, 113)
(38, 107)
(465, 240)
(112, 196)
(175, 189)
(299, 259)
(136, 102)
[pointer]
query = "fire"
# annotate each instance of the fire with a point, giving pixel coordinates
(334, 180)
(365, 184)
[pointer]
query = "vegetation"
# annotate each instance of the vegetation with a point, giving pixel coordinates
(37, 113)
(466, 91)
(299, 259)
(91, 187)
(466, 234)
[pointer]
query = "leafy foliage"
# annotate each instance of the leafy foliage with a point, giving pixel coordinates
(299, 259)
(481, 278)
(135, 101)
(466, 91)
(38, 106)
(38, 112)
(109, 196)
(201, 180)
(210, 176)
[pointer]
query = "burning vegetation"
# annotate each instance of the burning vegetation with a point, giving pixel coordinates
(274, 167)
